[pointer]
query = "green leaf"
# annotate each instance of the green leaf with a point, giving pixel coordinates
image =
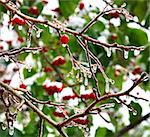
(138, 109)
(28, 74)
(67, 7)
(100, 132)
(74, 131)
(138, 8)
(41, 79)
(137, 37)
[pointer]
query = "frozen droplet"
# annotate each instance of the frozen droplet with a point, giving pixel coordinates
(28, 67)
(126, 54)
(35, 51)
(108, 50)
(6, 58)
(107, 86)
(86, 81)
(136, 52)
(11, 130)
(112, 81)
(28, 42)
(38, 33)
(11, 26)
(4, 126)
(89, 75)
(64, 45)
(123, 5)
(134, 112)
(146, 78)
(20, 27)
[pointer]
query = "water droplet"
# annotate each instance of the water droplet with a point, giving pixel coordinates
(134, 112)
(108, 50)
(4, 126)
(11, 130)
(64, 45)
(112, 81)
(136, 52)
(28, 67)
(20, 27)
(38, 33)
(6, 58)
(126, 54)
(123, 5)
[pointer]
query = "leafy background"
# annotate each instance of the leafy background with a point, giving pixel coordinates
(136, 36)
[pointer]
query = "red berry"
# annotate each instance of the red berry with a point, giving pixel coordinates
(81, 6)
(20, 39)
(9, 42)
(88, 96)
(7, 81)
(114, 14)
(48, 69)
(58, 61)
(58, 114)
(33, 10)
(53, 87)
(64, 39)
(69, 97)
(81, 121)
(44, 49)
(114, 37)
(23, 86)
(1, 47)
(137, 71)
(18, 21)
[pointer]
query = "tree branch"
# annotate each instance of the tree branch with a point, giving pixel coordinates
(73, 32)
(132, 125)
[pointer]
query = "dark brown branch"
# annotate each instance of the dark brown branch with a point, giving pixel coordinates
(17, 51)
(105, 97)
(132, 125)
(33, 107)
(73, 32)
(41, 127)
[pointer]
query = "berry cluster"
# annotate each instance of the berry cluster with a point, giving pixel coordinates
(18, 21)
(58, 61)
(53, 87)
(88, 96)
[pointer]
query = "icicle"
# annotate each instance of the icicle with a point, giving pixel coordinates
(107, 86)
(108, 50)
(11, 130)
(38, 33)
(136, 52)
(126, 54)
(6, 58)
(29, 41)
(85, 81)
(4, 126)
